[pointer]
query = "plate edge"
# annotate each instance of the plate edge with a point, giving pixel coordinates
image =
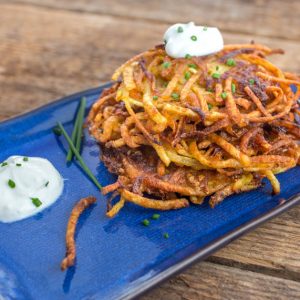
(210, 249)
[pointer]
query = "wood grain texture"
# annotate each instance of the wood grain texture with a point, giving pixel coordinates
(52, 49)
(273, 18)
(46, 53)
(213, 282)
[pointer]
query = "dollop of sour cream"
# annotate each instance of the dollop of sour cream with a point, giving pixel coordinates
(28, 185)
(188, 39)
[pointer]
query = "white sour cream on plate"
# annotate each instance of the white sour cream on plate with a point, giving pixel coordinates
(189, 39)
(27, 185)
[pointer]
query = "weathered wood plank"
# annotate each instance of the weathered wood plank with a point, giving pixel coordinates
(49, 53)
(273, 247)
(219, 282)
(273, 18)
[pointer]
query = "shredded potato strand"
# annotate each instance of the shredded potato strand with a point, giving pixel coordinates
(78, 209)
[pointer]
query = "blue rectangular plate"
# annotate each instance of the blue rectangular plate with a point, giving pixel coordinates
(117, 258)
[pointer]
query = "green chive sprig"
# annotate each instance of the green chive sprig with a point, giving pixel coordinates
(155, 216)
(233, 88)
(193, 66)
(36, 202)
(175, 96)
(77, 130)
(146, 222)
(166, 64)
(230, 62)
(224, 95)
(78, 156)
(179, 29)
(11, 184)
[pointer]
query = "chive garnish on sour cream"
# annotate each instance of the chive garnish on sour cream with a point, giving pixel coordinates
(11, 184)
(36, 201)
(179, 29)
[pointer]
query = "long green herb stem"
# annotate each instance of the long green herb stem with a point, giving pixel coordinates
(77, 128)
(78, 156)
(80, 124)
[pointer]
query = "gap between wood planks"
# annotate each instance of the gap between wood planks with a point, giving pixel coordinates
(217, 282)
(278, 273)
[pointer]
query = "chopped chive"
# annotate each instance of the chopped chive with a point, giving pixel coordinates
(193, 38)
(11, 184)
(179, 29)
(188, 56)
(193, 66)
(216, 75)
(47, 183)
(79, 158)
(18, 165)
(230, 62)
(187, 75)
(146, 222)
(175, 96)
(76, 128)
(36, 201)
(56, 130)
(80, 125)
(210, 90)
(224, 95)
(166, 235)
(233, 88)
(155, 97)
(25, 158)
(166, 64)
(165, 84)
(209, 106)
(155, 216)
(251, 81)
(4, 164)
(217, 68)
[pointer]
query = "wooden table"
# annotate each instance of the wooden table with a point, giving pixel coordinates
(51, 48)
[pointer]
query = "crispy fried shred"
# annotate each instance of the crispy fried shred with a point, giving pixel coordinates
(80, 206)
(175, 134)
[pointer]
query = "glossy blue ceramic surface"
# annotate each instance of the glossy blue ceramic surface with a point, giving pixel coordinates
(116, 258)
